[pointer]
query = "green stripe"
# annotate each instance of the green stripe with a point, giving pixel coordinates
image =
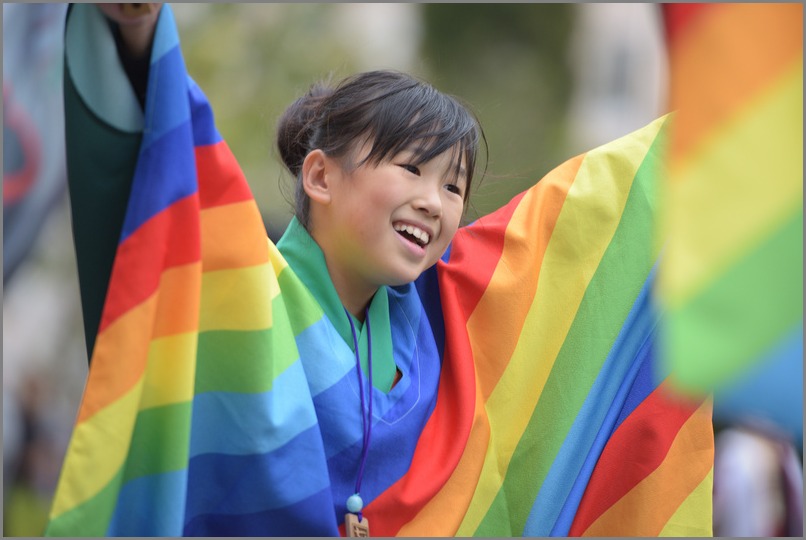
(91, 518)
(306, 310)
(746, 311)
(160, 441)
(608, 299)
(246, 361)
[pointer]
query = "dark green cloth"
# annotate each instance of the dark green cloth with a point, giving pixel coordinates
(100, 167)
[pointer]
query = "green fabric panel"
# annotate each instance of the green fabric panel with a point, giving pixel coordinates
(626, 262)
(218, 369)
(100, 167)
(160, 441)
(91, 518)
(755, 303)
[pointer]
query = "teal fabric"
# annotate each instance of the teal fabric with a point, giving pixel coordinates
(97, 72)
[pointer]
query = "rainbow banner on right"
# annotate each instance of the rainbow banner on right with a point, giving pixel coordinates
(731, 277)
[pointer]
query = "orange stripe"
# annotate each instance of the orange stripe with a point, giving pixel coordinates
(170, 238)
(646, 509)
(178, 308)
(731, 55)
(119, 358)
(226, 238)
(525, 246)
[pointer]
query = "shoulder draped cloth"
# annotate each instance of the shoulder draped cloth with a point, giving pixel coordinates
(220, 400)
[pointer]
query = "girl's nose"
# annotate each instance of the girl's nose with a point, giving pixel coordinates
(428, 200)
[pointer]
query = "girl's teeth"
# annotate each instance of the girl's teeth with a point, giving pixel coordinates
(421, 235)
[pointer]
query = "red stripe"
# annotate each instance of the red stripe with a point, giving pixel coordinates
(679, 18)
(476, 248)
(634, 451)
(221, 180)
(168, 239)
(436, 455)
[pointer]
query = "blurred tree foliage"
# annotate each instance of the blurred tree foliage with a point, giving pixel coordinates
(252, 61)
(507, 61)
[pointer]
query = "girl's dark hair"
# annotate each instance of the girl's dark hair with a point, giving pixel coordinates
(392, 110)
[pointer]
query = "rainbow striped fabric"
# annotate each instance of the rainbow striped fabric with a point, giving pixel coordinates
(221, 401)
(732, 280)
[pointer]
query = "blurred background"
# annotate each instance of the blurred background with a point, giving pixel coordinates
(547, 81)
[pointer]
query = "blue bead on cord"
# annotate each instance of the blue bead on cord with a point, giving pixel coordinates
(355, 503)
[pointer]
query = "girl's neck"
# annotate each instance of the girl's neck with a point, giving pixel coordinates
(354, 293)
(354, 299)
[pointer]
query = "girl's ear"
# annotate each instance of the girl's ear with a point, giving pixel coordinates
(316, 176)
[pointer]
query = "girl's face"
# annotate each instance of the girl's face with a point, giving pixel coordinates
(387, 223)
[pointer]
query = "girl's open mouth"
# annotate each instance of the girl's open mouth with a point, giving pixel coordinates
(413, 234)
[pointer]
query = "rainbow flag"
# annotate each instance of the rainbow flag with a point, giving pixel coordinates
(221, 401)
(731, 280)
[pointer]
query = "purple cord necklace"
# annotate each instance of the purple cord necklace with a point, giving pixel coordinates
(354, 522)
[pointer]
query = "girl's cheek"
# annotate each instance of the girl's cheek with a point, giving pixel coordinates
(455, 216)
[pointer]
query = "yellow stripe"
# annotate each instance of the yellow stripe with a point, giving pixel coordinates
(277, 260)
(583, 231)
(119, 358)
(171, 370)
(688, 519)
(238, 299)
(86, 471)
(735, 191)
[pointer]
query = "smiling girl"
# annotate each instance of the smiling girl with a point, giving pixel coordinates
(379, 365)
(381, 183)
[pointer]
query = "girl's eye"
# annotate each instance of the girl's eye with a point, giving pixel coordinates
(453, 188)
(411, 168)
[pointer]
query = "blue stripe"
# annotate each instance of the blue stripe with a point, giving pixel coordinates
(167, 105)
(320, 340)
(312, 516)
(235, 423)
(165, 35)
(414, 353)
(428, 290)
(558, 498)
(564, 521)
(165, 173)
(771, 391)
(395, 435)
(233, 485)
(150, 506)
(645, 383)
(204, 130)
